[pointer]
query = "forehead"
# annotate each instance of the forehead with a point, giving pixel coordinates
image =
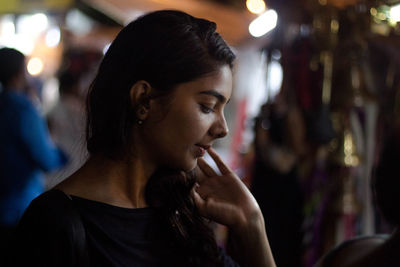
(219, 82)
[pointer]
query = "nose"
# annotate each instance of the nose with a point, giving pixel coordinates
(220, 128)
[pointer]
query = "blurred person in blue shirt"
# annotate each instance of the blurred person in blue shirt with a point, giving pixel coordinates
(26, 149)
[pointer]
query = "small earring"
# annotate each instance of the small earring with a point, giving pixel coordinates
(140, 122)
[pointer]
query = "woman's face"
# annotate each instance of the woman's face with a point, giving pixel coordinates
(177, 135)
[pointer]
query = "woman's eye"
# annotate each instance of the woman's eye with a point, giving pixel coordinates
(206, 109)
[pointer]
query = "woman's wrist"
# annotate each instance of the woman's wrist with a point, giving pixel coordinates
(249, 222)
(251, 241)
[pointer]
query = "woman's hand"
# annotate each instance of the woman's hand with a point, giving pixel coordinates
(224, 198)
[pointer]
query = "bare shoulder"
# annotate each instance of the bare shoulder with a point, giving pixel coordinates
(81, 184)
(71, 185)
(89, 184)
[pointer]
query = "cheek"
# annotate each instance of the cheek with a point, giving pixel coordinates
(181, 129)
(194, 125)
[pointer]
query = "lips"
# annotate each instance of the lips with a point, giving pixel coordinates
(205, 147)
(202, 149)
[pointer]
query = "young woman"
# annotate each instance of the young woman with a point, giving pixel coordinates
(154, 109)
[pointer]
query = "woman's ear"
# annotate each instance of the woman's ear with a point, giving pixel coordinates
(140, 93)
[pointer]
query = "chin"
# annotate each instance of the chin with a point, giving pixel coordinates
(190, 166)
(184, 162)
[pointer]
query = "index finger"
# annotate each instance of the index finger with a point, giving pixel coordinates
(217, 159)
(205, 168)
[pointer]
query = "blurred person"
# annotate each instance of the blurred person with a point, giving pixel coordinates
(275, 182)
(380, 249)
(26, 149)
(67, 118)
(145, 194)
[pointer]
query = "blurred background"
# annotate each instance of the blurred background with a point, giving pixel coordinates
(316, 91)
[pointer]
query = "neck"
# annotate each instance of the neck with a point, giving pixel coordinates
(119, 183)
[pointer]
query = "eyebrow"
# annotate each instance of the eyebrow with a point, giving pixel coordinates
(220, 97)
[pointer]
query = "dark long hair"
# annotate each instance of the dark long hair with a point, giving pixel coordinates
(164, 48)
(12, 63)
(188, 234)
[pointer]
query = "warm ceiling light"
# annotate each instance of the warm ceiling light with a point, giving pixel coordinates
(35, 66)
(255, 6)
(264, 23)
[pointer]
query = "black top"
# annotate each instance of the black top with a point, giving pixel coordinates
(120, 236)
(115, 236)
